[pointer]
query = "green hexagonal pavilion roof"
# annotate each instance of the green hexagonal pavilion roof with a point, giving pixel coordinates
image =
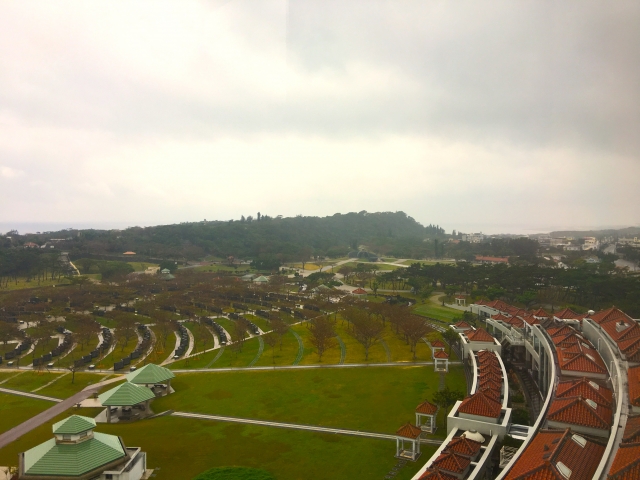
(125, 395)
(73, 425)
(73, 459)
(150, 373)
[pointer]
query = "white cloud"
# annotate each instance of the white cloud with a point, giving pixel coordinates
(157, 112)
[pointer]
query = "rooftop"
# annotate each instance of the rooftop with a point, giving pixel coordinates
(480, 335)
(427, 408)
(74, 425)
(580, 411)
(552, 451)
(482, 405)
(150, 373)
(125, 394)
(587, 389)
(626, 465)
(452, 462)
(409, 431)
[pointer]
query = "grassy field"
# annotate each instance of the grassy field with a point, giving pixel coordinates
(444, 314)
(142, 266)
(221, 268)
(14, 410)
(29, 380)
(63, 388)
(428, 262)
(379, 266)
(23, 283)
(204, 444)
(353, 398)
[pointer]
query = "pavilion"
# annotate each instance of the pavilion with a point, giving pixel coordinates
(441, 361)
(411, 434)
(157, 378)
(427, 411)
(76, 451)
(125, 397)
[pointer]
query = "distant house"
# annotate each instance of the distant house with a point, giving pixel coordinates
(31, 245)
(129, 253)
(165, 271)
(359, 291)
(482, 259)
(261, 279)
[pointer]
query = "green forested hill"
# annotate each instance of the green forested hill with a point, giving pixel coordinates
(386, 233)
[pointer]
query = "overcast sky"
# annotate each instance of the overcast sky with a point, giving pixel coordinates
(494, 116)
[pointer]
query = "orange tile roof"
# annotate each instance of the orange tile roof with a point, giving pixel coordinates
(632, 429)
(359, 291)
(500, 317)
(581, 359)
(587, 389)
(560, 330)
(541, 313)
(622, 329)
(480, 335)
(549, 447)
(569, 340)
(462, 324)
(440, 354)
(482, 405)
(427, 408)
(452, 462)
(438, 344)
(491, 390)
(487, 367)
(577, 411)
(436, 474)
(626, 465)
(488, 375)
(409, 431)
(608, 315)
(463, 446)
(633, 380)
(567, 314)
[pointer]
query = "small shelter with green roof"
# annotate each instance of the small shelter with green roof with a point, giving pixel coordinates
(77, 452)
(153, 376)
(124, 398)
(260, 279)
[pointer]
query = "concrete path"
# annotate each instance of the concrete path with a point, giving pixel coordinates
(302, 367)
(295, 426)
(170, 357)
(29, 394)
(259, 354)
(34, 422)
(192, 342)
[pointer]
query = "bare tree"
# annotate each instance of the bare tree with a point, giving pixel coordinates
(86, 330)
(280, 328)
(271, 339)
(240, 332)
(367, 330)
(414, 328)
(125, 330)
(323, 335)
(8, 332)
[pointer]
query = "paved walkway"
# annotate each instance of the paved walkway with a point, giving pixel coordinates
(34, 422)
(294, 426)
(302, 367)
(29, 394)
(170, 357)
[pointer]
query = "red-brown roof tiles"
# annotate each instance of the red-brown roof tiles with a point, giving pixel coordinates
(607, 315)
(567, 314)
(440, 354)
(427, 408)
(480, 335)
(626, 465)
(548, 449)
(462, 325)
(633, 379)
(452, 462)
(632, 429)
(541, 313)
(436, 474)
(409, 431)
(438, 344)
(482, 405)
(463, 446)
(581, 359)
(587, 389)
(579, 411)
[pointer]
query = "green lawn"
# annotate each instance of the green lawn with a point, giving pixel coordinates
(374, 399)
(444, 314)
(31, 379)
(15, 409)
(280, 356)
(63, 388)
(288, 454)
